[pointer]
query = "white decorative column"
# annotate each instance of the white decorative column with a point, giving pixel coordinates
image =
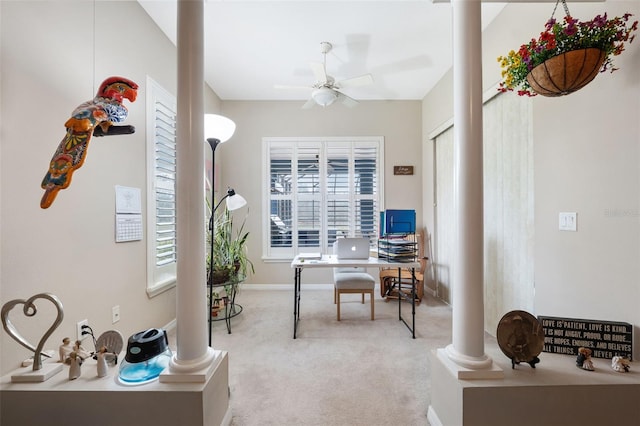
(467, 348)
(194, 359)
(464, 358)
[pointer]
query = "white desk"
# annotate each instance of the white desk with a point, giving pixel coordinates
(331, 261)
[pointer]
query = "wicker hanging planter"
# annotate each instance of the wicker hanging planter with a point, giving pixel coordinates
(566, 72)
(567, 55)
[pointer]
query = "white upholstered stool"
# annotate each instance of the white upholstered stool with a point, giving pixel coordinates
(352, 280)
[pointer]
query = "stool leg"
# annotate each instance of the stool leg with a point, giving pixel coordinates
(363, 297)
(338, 304)
(372, 305)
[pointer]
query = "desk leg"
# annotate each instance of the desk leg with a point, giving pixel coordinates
(401, 295)
(413, 302)
(296, 299)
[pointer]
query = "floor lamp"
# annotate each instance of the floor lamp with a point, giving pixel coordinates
(217, 130)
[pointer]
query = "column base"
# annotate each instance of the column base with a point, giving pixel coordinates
(465, 368)
(197, 371)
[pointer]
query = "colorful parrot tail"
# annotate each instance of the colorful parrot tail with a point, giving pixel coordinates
(48, 197)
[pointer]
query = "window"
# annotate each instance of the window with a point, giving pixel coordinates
(161, 190)
(320, 189)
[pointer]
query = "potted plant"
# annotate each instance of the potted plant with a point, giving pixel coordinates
(238, 250)
(566, 56)
(230, 256)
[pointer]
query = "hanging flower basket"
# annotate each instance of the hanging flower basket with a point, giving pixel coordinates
(567, 55)
(566, 72)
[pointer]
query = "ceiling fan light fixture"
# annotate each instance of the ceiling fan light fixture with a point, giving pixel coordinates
(324, 96)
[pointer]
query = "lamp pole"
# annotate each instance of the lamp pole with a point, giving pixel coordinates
(213, 142)
(222, 128)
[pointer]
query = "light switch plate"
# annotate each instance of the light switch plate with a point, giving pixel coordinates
(568, 221)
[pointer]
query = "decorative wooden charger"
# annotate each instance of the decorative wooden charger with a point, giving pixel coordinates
(520, 337)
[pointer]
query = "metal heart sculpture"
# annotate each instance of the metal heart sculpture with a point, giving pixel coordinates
(30, 309)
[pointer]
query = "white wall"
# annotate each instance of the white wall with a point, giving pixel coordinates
(53, 59)
(587, 160)
(397, 121)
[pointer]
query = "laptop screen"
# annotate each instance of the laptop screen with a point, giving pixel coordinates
(352, 248)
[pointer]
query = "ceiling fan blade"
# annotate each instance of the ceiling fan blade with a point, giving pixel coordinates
(346, 100)
(362, 80)
(319, 72)
(284, 86)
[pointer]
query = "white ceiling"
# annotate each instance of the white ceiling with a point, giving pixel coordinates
(250, 46)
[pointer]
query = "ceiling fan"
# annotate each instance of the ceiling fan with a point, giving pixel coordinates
(326, 90)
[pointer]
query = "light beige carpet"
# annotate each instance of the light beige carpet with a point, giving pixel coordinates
(352, 372)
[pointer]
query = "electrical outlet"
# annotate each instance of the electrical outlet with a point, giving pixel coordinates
(79, 325)
(115, 314)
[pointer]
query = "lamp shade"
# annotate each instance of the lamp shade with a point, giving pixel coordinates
(235, 201)
(324, 96)
(218, 127)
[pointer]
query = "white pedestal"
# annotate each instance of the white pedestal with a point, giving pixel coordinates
(106, 402)
(556, 392)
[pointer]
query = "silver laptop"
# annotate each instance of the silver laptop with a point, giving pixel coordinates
(352, 248)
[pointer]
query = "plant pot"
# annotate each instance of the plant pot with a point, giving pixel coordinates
(220, 276)
(566, 72)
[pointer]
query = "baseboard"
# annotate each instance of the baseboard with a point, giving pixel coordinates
(433, 418)
(171, 325)
(289, 287)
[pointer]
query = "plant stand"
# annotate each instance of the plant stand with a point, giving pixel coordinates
(227, 306)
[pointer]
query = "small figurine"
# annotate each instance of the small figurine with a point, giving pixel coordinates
(65, 350)
(620, 364)
(80, 351)
(102, 361)
(584, 359)
(76, 363)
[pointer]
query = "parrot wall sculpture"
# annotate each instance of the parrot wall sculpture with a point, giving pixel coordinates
(92, 118)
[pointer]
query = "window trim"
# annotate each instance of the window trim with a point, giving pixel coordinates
(159, 278)
(267, 255)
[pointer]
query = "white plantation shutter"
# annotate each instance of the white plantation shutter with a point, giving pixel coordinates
(308, 196)
(161, 189)
(331, 183)
(165, 177)
(281, 187)
(366, 189)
